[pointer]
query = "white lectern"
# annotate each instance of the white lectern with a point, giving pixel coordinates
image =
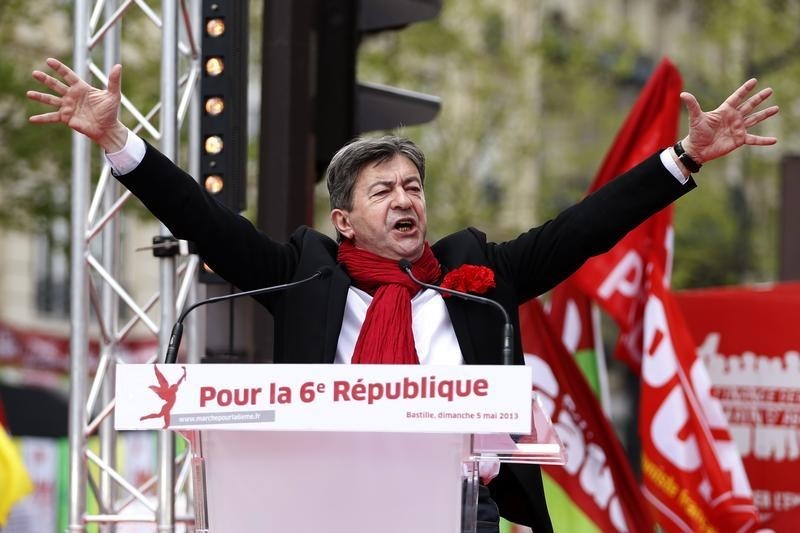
(339, 448)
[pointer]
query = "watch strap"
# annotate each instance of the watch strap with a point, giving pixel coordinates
(686, 159)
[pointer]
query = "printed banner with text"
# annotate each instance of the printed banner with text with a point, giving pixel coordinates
(46, 351)
(750, 342)
(397, 398)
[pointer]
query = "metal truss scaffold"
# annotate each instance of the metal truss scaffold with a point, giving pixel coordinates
(96, 234)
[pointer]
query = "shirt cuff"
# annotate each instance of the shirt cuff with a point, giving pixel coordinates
(672, 166)
(129, 157)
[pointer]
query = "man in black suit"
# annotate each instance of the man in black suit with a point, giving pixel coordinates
(369, 311)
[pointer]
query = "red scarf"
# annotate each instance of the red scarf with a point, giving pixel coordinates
(386, 336)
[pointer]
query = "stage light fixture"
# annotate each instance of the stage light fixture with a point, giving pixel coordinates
(214, 105)
(215, 66)
(213, 144)
(214, 183)
(223, 101)
(215, 27)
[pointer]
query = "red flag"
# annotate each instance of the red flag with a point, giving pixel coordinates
(615, 278)
(597, 475)
(692, 472)
(570, 314)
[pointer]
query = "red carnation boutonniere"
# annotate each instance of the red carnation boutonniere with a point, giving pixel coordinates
(473, 279)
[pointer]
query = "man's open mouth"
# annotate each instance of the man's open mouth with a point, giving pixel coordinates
(404, 225)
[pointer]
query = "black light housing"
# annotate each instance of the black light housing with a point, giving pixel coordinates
(223, 93)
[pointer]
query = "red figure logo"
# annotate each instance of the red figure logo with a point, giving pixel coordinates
(167, 393)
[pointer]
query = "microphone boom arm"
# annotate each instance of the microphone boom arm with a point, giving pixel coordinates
(177, 330)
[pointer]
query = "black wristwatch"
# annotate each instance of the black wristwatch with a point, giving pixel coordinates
(686, 159)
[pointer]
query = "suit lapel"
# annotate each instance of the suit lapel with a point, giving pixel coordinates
(458, 316)
(337, 299)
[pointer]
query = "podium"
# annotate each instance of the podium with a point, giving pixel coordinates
(340, 448)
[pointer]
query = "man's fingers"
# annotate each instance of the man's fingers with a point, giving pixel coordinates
(35, 95)
(690, 102)
(50, 82)
(739, 94)
(44, 98)
(758, 116)
(46, 118)
(755, 100)
(64, 71)
(759, 140)
(115, 79)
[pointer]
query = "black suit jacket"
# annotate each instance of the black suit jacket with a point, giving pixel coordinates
(308, 319)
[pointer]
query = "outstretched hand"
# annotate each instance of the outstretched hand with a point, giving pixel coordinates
(88, 110)
(713, 134)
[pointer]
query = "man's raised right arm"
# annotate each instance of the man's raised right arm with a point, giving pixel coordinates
(226, 240)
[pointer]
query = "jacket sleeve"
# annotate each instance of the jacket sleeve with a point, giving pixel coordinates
(546, 255)
(228, 242)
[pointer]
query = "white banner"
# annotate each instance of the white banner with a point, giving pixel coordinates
(386, 398)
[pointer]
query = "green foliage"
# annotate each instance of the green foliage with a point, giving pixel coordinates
(741, 39)
(34, 184)
(705, 240)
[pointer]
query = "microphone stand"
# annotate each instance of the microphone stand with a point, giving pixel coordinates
(177, 330)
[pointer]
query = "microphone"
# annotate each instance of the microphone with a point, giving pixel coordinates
(177, 329)
(508, 328)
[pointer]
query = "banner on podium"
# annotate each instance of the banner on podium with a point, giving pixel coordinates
(386, 398)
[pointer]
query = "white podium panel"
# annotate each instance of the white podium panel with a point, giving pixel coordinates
(333, 482)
